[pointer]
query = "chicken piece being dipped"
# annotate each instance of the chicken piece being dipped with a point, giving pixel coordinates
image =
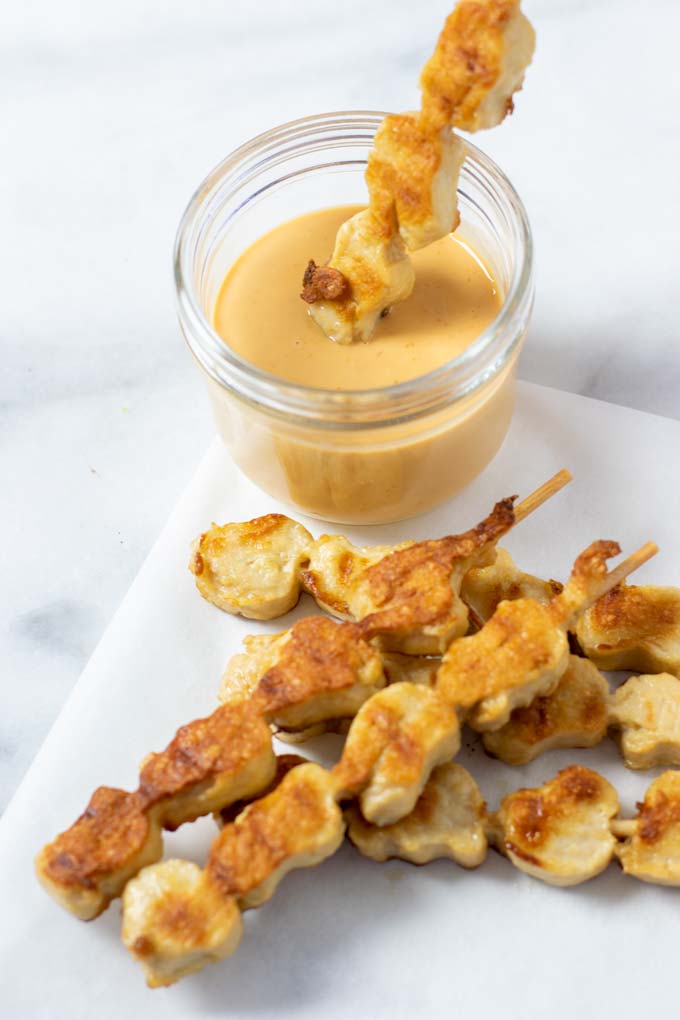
(412, 173)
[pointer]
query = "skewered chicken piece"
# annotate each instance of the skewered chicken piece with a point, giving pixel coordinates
(645, 712)
(333, 686)
(560, 832)
(284, 763)
(396, 739)
(178, 917)
(176, 920)
(522, 651)
(574, 715)
(447, 821)
(251, 568)
(651, 851)
(210, 763)
(484, 588)
(410, 591)
(477, 66)
(634, 628)
(413, 169)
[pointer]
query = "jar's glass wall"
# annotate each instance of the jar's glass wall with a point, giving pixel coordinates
(346, 468)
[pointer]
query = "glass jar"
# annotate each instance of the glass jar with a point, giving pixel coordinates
(365, 456)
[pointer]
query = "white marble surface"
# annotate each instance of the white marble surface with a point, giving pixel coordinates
(111, 114)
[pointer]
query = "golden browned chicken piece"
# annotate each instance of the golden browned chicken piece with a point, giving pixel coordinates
(210, 763)
(176, 920)
(87, 866)
(447, 821)
(178, 917)
(341, 677)
(559, 832)
(416, 669)
(295, 826)
(251, 568)
(376, 272)
(417, 578)
(396, 739)
(645, 712)
(522, 651)
(409, 600)
(483, 588)
(317, 672)
(634, 627)
(412, 172)
(284, 763)
(652, 850)
(477, 66)
(574, 715)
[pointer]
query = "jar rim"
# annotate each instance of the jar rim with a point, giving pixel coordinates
(425, 394)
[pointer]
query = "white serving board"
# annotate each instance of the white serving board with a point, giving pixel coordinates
(351, 937)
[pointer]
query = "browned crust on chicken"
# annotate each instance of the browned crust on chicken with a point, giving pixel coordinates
(273, 830)
(404, 177)
(223, 742)
(412, 586)
(323, 283)
(284, 763)
(534, 813)
(321, 656)
(112, 829)
(466, 63)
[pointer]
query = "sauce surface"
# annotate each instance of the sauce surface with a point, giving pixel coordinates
(260, 314)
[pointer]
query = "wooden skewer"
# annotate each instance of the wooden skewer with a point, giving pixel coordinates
(622, 828)
(543, 493)
(635, 560)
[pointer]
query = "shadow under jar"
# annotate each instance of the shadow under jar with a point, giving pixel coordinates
(354, 456)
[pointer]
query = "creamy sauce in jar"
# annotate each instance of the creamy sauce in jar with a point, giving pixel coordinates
(261, 316)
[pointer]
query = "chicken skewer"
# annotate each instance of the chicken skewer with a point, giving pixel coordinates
(565, 832)
(412, 173)
(258, 569)
(397, 737)
(522, 651)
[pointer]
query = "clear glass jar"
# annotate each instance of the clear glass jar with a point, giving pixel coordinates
(365, 456)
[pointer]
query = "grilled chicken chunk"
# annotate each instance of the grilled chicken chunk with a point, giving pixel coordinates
(652, 850)
(210, 763)
(394, 742)
(522, 650)
(412, 173)
(634, 627)
(484, 588)
(447, 821)
(574, 715)
(559, 832)
(645, 712)
(176, 920)
(251, 568)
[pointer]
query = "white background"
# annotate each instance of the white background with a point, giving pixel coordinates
(110, 115)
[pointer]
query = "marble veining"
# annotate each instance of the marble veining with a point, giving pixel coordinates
(112, 114)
